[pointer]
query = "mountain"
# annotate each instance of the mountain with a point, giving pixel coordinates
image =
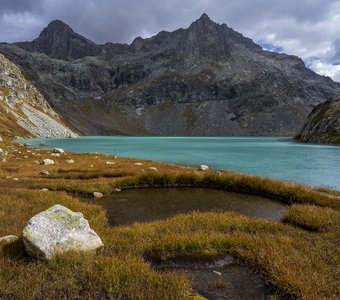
(23, 109)
(59, 41)
(323, 124)
(206, 79)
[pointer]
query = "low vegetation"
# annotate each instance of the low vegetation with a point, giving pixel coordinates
(299, 257)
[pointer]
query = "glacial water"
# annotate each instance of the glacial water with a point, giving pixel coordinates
(275, 157)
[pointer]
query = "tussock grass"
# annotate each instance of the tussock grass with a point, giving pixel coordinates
(312, 217)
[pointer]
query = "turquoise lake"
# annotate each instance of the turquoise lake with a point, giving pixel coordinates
(275, 157)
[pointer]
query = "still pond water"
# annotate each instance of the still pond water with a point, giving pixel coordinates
(275, 157)
(142, 205)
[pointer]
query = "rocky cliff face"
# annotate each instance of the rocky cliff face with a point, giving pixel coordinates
(23, 109)
(203, 80)
(323, 124)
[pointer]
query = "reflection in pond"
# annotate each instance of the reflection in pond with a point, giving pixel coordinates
(147, 204)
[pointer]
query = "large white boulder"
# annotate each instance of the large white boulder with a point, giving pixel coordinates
(57, 230)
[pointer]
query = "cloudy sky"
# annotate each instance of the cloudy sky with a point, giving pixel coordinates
(309, 29)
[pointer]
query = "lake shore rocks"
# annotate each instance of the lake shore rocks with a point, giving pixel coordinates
(47, 162)
(203, 168)
(58, 230)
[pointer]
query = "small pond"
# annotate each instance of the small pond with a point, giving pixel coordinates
(148, 204)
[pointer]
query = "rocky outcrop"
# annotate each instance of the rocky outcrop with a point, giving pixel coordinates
(23, 106)
(323, 124)
(208, 78)
(58, 230)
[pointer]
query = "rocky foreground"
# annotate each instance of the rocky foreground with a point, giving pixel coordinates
(208, 78)
(323, 124)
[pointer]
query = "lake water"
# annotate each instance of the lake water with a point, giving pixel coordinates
(142, 205)
(275, 157)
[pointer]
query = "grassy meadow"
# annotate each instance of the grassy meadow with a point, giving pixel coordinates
(299, 256)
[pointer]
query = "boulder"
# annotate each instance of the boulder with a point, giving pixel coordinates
(44, 173)
(98, 195)
(70, 161)
(203, 168)
(47, 162)
(58, 150)
(58, 230)
(8, 239)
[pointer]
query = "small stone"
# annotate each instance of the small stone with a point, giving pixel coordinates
(55, 154)
(203, 168)
(98, 195)
(1, 140)
(153, 169)
(25, 156)
(218, 273)
(58, 230)
(8, 239)
(58, 150)
(27, 145)
(47, 162)
(138, 164)
(117, 190)
(69, 161)
(44, 173)
(15, 179)
(44, 190)
(110, 163)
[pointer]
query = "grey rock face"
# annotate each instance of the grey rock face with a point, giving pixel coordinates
(203, 80)
(57, 230)
(323, 124)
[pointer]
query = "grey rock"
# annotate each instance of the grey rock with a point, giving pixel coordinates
(58, 150)
(208, 77)
(203, 168)
(47, 162)
(58, 230)
(98, 195)
(323, 124)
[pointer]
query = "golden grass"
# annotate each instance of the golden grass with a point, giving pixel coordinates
(300, 263)
(312, 217)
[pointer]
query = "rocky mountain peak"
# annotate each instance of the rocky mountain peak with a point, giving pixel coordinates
(58, 40)
(57, 27)
(203, 22)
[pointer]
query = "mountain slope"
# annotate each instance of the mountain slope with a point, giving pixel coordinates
(203, 80)
(23, 110)
(323, 124)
